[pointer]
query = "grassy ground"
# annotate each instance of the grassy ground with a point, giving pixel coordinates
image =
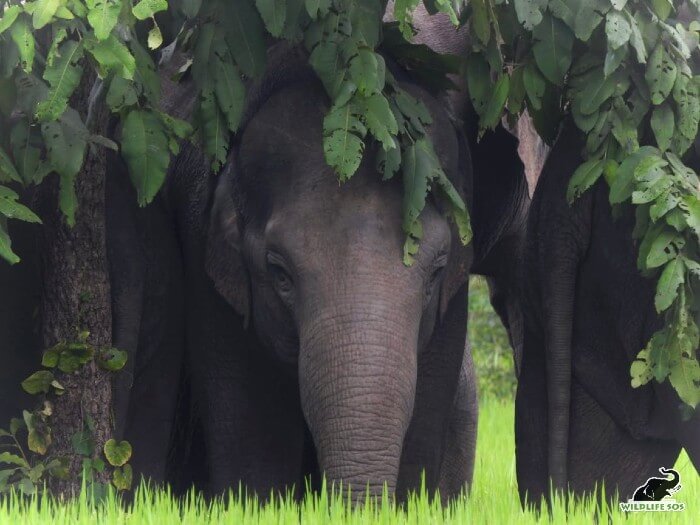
(493, 500)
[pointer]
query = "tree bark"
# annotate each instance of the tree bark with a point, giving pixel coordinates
(77, 297)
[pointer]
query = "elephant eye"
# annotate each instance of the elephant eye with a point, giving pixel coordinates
(282, 281)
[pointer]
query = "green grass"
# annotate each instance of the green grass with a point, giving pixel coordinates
(493, 500)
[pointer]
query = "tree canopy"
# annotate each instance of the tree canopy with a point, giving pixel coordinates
(625, 70)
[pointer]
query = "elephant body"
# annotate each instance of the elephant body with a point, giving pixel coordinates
(309, 348)
(587, 312)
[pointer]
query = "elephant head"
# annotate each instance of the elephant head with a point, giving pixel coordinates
(316, 269)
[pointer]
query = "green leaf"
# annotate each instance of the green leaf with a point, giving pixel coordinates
(43, 12)
(624, 182)
(63, 76)
(145, 151)
(8, 172)
(660, 74)
(663, 204)
(13, 459)
(662, 8)
(328, 64)
(9, 16)
(667, 288)
(618, 29)
(480, 21)
(529, 12)
(112, 359)
(686, 92)
(273, 13)
(691, 211)
(213, 129)
(112, 56)
(494, 109)
(586, 21)
(122, 477)
(21, 34)
(685, 378)
(155, 38)
(599, 91)
(103, 16)
(553, 48)
(147, 8)
(636, 39)
(121, 94)
(534, 85)
(146, 74)
(59, 468)
(6, 244)
(343, 132)
(403, 13)
(662, 124)
(12, 209)
(117, 453)
(583, 178)
(388, 162)
(379, 119)
(420, 166)
(458, 209)
(83, 443)
(230, 91)
(479, 82)
(641, 370)
(367, 71)
(26, 487)
(664, 247)
(38, 383)
(66, 140)
(246, 37)
(317, 8)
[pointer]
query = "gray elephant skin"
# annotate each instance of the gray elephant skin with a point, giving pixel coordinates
(578, 312)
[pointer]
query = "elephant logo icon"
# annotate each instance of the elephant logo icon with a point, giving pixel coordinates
(656, 489)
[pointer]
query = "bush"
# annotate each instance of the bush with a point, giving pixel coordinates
(493, 356)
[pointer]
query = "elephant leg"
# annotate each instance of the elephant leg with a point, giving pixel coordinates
(439, 366)
(600, 451)
(531, 422)
(147, 319)
(457, 469)
(253, 427)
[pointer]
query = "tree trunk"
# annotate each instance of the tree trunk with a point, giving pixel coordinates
(77, 297)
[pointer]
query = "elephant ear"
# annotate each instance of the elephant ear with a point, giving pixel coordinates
(224, 261)
(460, 261)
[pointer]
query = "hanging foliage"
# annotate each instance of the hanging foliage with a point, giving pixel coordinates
(622, 68)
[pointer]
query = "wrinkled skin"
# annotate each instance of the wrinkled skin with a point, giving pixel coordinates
(369, 354)
(588, 312)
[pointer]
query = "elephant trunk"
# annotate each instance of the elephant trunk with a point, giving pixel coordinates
(357, 374)
(560, 287)
(675, 477)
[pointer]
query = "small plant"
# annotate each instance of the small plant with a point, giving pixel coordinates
(25, 461)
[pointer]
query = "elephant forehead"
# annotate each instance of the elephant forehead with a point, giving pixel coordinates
(351, 220)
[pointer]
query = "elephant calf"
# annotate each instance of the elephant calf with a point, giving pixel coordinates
(311, 349)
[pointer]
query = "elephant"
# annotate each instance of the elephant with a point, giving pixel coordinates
(273, 332)
(583, 312)
(656, 489)
(310, 348)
